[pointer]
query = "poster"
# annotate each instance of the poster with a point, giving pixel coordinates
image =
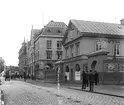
(77, 75)
(67, 74)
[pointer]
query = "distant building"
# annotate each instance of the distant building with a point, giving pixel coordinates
(94, 45)
(22, 57)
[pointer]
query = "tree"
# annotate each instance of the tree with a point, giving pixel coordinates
(2, 62)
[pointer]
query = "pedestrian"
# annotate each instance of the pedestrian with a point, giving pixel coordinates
(87, 78)
(24, 76)
(91, 80)
(65, 78)
(83, 80)
(96, 77)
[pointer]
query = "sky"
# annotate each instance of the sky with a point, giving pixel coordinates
(18, 16)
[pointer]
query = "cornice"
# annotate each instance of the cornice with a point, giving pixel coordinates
(48, 36)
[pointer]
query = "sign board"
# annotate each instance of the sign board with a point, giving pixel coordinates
(77, 75)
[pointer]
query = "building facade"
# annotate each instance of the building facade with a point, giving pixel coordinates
(94, 45)
(48, 49)
(30, 53)
(22, 57)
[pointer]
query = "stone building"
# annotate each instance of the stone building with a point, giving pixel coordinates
(48, 49)
(22, 57)
(94, 45)
(30, 52)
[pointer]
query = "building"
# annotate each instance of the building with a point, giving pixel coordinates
(94, 45)
(30, 52)
(22, 57)
(48, 49)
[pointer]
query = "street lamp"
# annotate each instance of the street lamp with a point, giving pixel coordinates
(45, 67)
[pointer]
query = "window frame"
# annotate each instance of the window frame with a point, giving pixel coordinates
(49, 44)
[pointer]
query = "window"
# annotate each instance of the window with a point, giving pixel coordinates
(77, 49)
(49, 44)
(59, 44)
(72, 50)
(59, 54)
(98, 45)
(48, 30)
(66, 52)
(116, 49)
(59, 31)
(49, 54)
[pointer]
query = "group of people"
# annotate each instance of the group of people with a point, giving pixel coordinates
(89, 78)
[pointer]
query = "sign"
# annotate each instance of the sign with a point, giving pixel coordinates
(67, 74)
(77, 75)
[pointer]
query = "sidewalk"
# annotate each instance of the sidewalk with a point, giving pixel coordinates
(111, 90)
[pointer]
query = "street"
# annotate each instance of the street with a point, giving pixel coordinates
(24, 93)
(21, 93)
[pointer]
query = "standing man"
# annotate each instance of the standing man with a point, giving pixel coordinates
(91, 80)
(87, 78)
(96, 77)
(84, 80)
(24, 76)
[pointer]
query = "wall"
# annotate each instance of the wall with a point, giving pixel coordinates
(113, 71)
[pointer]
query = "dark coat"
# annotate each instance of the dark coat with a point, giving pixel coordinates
(83, 76)
(91, 77)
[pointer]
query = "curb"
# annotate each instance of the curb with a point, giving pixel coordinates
(96, 92)
(1, 98)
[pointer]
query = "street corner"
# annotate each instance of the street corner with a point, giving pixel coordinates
(1, 97)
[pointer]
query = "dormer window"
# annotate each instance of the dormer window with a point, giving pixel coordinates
(48, 30)
(58, 31)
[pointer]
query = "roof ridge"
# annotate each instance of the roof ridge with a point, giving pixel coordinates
(96, 22)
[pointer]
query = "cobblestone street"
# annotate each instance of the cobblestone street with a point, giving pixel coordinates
(21, 93)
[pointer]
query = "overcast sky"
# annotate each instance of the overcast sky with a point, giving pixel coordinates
(17, 17)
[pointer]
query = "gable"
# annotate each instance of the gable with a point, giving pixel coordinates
(71, 33)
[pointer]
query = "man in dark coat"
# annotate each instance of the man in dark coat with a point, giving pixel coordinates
(24, 76)
(96, 77)
(83, 80)
(91, 80)
(87, 78)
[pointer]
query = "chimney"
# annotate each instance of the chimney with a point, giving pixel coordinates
(122, 21)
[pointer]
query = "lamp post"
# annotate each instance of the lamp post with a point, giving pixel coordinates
(45, 71)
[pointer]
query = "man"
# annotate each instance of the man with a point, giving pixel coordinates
(87, 78)
(91, 80)
(96, 77)
(83, 80)
(24, 76)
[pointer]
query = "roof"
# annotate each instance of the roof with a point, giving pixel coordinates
(36, 33)
(54, 28)
(98, 27)
(56, 24)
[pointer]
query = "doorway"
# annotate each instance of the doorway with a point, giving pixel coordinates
(93, 65)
